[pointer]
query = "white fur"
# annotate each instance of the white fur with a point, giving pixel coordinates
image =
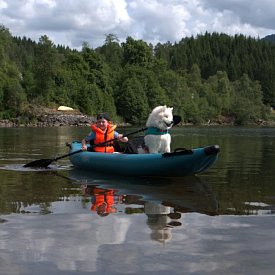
(162, 118)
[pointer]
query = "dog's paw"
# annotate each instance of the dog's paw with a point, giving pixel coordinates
(142, 150)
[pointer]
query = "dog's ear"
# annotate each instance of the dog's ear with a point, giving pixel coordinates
(159, 109)
(163, 108)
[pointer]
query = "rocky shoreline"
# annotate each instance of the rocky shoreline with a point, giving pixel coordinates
(51, 120)
(79, 120)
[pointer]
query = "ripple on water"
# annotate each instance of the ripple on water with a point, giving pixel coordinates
(21, 168)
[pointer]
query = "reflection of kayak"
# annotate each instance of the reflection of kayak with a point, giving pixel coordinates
(179, 163)
(185, 194)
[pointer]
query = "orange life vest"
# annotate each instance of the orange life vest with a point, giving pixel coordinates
(101, 136)
(104, 197)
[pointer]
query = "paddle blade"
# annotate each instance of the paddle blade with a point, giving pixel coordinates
(176, 119)
(39, 163)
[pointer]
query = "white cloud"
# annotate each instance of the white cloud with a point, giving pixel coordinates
(158, 20)
(71, 22)
(257, 14)
(3, 4)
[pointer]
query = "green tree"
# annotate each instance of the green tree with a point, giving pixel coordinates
(150, 84)
(13, 96)
(100, 75)
(45, 66)
(247, 103)
(132, 102)
(5, 44)
(219, 93)
(112, 51)
(137, 52)
(175, 87)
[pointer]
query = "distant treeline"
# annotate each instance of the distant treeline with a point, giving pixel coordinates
(206, 78)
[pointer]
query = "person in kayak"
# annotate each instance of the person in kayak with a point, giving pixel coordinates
(103, 130)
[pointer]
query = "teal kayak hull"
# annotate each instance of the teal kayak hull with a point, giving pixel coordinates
(179, 163)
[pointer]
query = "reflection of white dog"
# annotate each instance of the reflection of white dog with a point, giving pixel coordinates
(157, 139)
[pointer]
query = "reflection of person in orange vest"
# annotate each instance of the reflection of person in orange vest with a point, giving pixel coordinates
(103, 202)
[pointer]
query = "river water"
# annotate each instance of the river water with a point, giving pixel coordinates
(64, 221)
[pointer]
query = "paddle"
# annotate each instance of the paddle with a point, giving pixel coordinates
(176, 120)
(46, 162)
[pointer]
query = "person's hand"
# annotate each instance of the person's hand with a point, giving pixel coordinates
(84, 147)
(120, 137)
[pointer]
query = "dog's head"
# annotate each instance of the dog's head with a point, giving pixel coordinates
(161, 117)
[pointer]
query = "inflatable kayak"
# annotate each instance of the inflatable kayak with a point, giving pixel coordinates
(178, 163)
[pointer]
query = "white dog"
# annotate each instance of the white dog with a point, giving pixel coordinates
(157, 139)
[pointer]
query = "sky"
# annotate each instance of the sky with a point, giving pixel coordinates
(72, 22)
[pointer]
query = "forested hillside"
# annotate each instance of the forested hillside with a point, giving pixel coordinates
(270, 37)
(204, 78)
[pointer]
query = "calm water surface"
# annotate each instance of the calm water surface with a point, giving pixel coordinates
(63, 221)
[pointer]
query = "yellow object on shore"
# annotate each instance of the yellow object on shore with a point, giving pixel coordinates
(64, 108)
